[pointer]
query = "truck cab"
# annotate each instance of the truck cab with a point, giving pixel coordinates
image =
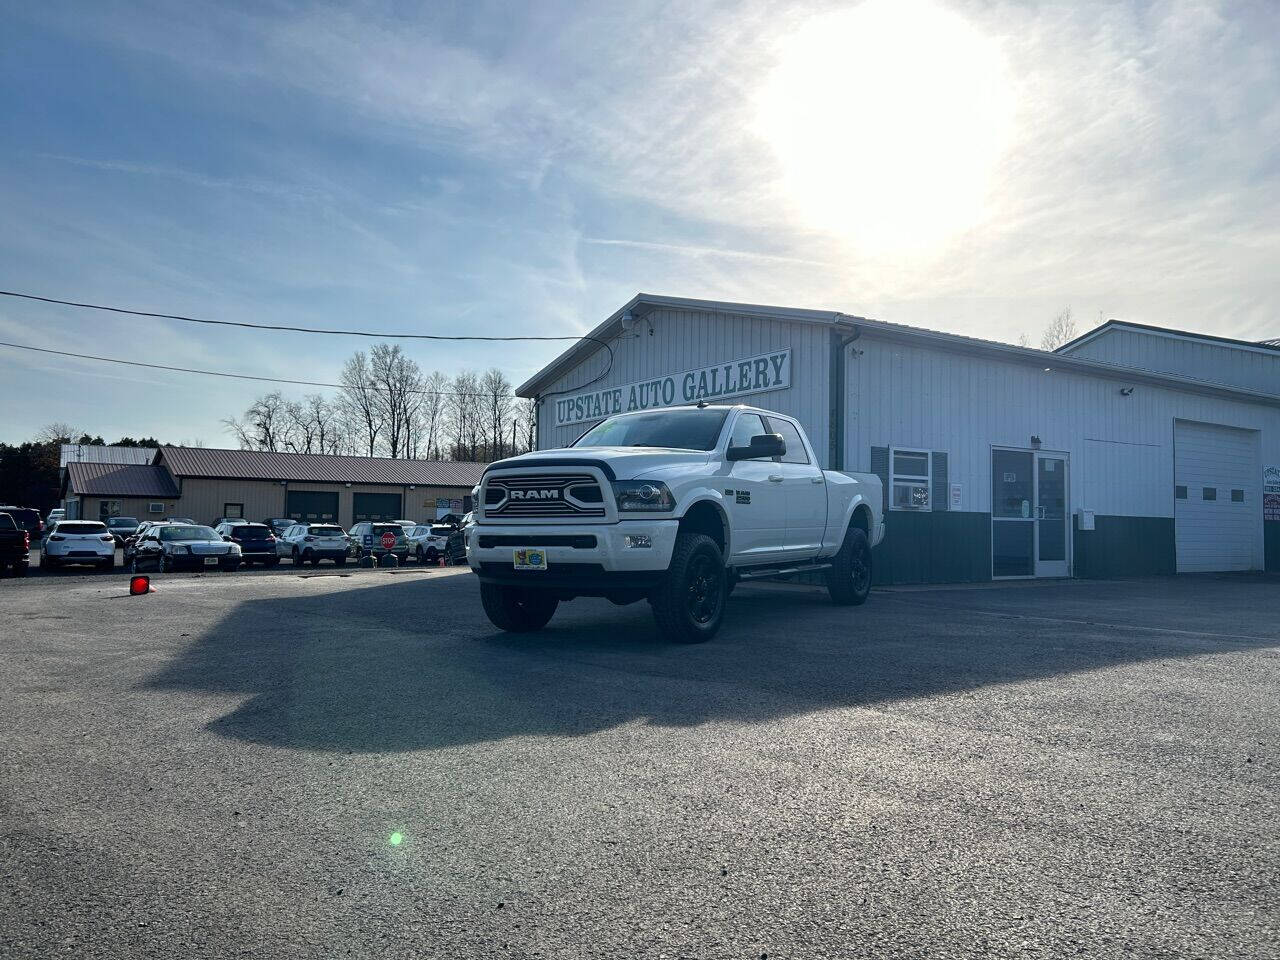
(673, 506)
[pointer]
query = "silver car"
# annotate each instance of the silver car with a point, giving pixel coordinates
(313, 542)
(426, 542)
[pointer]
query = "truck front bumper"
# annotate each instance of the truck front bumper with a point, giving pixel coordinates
(594, 556)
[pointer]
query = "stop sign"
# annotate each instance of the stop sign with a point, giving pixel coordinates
(388, 540)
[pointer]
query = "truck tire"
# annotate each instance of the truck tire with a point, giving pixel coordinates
(517, 610)
(849, 579)
(689, 603)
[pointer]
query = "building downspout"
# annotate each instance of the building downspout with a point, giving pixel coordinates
(843, 333)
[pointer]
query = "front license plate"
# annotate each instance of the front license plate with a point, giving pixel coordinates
(526, 559)
(210, 561)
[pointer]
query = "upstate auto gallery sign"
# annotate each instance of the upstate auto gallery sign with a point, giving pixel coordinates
(768, 371)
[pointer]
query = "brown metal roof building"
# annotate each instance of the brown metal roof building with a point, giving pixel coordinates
(205, 484)
(99, 490)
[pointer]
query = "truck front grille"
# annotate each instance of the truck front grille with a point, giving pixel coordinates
(578, 541)
(544, 495)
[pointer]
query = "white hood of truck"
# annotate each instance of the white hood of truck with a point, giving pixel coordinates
(627, 463)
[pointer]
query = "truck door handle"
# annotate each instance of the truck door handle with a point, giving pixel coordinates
(774, 478)
(815, 479)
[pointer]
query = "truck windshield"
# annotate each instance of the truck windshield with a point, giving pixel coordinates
(681, 429)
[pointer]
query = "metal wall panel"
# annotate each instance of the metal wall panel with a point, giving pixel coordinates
(1186, 357)
(683, 340)
(1120, 447)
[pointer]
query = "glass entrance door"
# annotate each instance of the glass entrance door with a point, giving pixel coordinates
(1029, 535)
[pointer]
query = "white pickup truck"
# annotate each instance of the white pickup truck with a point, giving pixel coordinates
(674, 506)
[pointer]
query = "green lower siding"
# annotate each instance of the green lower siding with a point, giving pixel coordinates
(955, 547)
(1271, 534)
(939, 547)
(1125, 547)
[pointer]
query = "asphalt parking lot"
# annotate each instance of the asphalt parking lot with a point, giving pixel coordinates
(323, 763)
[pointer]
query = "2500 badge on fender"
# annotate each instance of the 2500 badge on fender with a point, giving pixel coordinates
(672, 506)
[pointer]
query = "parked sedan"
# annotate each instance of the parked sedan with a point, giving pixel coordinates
(78, 541)
(174, 546)
(131, 543)
(122, 528)
(313, 542)
(256, 541)
(425, 543)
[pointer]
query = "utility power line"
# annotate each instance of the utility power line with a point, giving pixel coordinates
(218, 373)
(311, 330)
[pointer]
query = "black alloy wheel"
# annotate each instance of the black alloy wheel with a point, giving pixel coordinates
(706, 590)
(849, 579)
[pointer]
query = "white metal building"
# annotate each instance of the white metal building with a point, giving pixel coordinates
(1132, 450)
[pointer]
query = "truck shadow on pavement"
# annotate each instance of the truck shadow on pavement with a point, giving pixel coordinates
(414, 665)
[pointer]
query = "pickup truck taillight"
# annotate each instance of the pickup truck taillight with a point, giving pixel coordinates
(26, 540)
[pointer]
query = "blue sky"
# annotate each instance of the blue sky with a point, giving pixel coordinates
(503, 167)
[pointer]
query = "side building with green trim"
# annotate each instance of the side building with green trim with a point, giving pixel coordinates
(1132, 451)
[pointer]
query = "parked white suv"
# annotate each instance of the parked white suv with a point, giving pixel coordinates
(426, 543)
(313, 542)
(78, 541)
(673, 506)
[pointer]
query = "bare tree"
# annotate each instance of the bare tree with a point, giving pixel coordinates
(1024, 341)
(266, 425)
(525, 419)
(432, 413)
(463, 414)
(57, 432)
(496, 389)
(361, 401)
(314, 424)
(1061, 329)
(398, 383)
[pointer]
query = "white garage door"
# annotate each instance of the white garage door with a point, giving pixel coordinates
(1218, 498)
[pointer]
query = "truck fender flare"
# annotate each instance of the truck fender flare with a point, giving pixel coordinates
(716, 500)
(859, 501)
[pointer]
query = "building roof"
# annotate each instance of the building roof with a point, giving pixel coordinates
(120, 480)
(1265, 346)
(643, 303)
(316, 467)
(98, 453)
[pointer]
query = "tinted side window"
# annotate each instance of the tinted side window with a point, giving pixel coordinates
(747, 426)
(795, 446)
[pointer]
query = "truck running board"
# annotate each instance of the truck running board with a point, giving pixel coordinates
(760, 573)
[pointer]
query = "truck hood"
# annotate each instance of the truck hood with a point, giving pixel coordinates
(627, 463)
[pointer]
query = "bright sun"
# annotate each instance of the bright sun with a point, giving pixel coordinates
(888, 120)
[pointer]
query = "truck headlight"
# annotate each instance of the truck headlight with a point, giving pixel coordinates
(643, 496)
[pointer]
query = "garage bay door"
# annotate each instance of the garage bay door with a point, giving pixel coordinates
(376, 506)
(1217, 498)
(312, 505)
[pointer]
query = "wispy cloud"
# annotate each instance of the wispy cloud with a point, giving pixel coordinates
(532, 168)
(251, 185)
(694, 250)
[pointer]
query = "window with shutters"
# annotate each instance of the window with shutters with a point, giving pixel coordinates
(912, 479)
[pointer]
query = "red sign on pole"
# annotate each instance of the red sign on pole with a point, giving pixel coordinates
(388, 540)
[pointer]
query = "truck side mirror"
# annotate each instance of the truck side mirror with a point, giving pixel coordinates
(764, 445)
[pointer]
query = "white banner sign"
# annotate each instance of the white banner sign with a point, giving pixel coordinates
(769, 371)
